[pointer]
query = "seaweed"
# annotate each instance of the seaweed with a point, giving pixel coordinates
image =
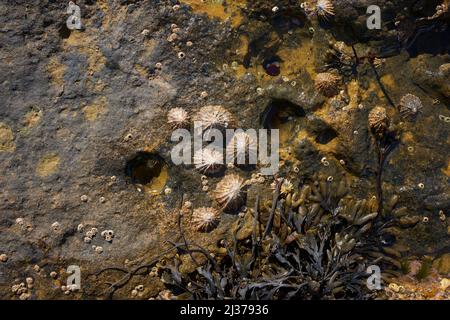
(317, 244)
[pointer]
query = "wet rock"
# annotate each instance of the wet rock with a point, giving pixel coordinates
(438, 202)
(442, 264)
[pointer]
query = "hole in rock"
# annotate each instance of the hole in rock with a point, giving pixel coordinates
(326, 136)
(283, 115)
(148, 170)
(64, 32)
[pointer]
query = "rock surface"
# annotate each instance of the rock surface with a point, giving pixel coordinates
(78, 105)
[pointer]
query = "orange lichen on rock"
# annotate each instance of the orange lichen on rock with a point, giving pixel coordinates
(216, 9)
(48, 165)
(94, 110)
(6, 139)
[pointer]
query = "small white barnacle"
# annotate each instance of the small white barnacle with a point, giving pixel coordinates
(98, 249)
(178, 118)
(205, 219)
(108, 235)
(56, 226)
(140, 287)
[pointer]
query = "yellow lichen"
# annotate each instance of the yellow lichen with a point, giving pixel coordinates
(446, 170)
(6, 139)
(57, 71)
(85, 44)
(216, 9)
(94, 110)
(48, 165)
(32, 118)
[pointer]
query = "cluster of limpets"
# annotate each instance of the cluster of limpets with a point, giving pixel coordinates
(209, 117)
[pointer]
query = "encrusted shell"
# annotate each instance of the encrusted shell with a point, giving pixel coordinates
(178, 118)
(208, 160)
(242, 148)
(327, 84)
(286, 187)
(409, 106)
(378, 120)
(214, 116)
(230, 193)
(205, 219)
(325, 9)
